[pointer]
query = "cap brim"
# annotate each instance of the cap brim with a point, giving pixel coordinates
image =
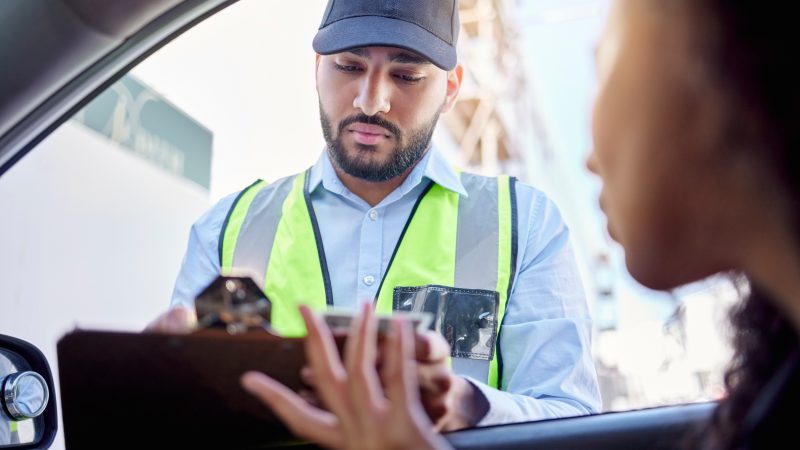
(376, 31)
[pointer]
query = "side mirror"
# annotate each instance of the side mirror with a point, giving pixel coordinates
(28, 416)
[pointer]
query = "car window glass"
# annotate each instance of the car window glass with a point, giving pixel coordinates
(97, 217)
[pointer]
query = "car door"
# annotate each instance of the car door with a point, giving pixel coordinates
(58, 56)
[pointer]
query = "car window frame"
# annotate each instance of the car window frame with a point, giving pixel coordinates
(108, 67)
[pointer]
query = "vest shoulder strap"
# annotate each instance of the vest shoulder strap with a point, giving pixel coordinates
(233, 223)
(258, 205)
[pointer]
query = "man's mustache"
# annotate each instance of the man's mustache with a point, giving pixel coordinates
(370, 120)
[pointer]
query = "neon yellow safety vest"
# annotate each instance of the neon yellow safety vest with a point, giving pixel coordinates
(451, 240)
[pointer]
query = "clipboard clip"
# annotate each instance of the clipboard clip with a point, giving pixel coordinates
(233, 303)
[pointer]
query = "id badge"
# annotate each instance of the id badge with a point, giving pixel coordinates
(465, 317)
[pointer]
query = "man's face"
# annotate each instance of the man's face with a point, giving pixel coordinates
(378, 108)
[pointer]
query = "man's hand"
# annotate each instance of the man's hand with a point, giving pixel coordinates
(180, 319)
(452, 403)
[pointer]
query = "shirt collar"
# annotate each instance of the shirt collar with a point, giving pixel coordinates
(433, 166)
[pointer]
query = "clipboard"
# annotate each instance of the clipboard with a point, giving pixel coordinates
(160, 390)
(157, 390)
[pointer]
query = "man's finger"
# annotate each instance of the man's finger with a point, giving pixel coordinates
(437, 411)
(180, 319)
(301, 418)
(434, 378)
(431, 346)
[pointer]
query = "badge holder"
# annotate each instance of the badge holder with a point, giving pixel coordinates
(465, 317)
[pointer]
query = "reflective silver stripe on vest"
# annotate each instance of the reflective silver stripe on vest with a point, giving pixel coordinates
(477, 245)
(259, 228)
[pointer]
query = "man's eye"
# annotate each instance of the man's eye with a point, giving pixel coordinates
(409, 78)
(346, 68)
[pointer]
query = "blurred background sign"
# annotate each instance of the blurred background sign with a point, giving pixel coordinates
(140, 120)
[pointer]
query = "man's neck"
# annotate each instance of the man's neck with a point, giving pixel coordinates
(372, 192)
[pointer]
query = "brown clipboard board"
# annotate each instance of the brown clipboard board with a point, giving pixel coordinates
(157, 390)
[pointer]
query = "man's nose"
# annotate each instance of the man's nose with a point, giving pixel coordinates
(373, 96)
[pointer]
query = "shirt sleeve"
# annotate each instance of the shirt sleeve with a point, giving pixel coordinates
(200, 265)
(545, 338)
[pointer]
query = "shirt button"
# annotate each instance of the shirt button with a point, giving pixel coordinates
(368, 280)
(373, 215)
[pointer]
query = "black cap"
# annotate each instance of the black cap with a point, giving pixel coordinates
(426, 27)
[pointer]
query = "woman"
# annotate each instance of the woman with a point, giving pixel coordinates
(694, 137)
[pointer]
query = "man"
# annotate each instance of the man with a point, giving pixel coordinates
(381, 217)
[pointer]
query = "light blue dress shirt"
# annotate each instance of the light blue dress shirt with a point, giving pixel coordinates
(546, 335)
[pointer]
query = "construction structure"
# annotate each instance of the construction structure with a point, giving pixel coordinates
(494, 122)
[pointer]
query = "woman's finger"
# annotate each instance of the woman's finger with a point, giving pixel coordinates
(363, 383)
(300, 417)
(399, 374)
(307, 376)
(323, 358)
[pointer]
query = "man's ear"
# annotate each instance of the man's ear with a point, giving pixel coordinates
(316, 70)
(454, 78)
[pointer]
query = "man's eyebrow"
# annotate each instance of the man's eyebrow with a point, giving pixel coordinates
(399, 57)
(408, 58)
(362, 52)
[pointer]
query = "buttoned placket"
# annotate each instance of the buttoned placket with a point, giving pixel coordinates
(372, 247)
(369, 260)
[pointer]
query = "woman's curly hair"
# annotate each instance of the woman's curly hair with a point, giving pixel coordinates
(763, 340)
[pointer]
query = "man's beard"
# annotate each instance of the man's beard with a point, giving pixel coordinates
(359, 166)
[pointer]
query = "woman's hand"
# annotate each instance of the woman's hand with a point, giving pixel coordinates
(364, 409)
